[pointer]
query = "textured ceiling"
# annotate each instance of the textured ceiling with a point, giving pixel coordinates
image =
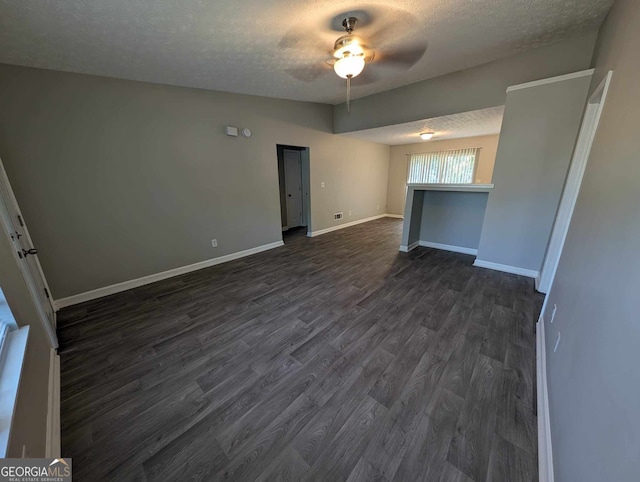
(482, 122)
(258, 47)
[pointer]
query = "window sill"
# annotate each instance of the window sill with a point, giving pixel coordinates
(10, 372)
(452, 187)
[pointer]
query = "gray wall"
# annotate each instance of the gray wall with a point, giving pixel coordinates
(415, 218)
(30, 418)
(120, 179)
(471, 89)
(453, 218)
(539, 130)
(399, 164)
(594, 377)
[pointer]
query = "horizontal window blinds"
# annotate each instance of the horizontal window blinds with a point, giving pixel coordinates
(444, 167)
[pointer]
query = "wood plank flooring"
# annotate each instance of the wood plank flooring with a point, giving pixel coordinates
(331, 358)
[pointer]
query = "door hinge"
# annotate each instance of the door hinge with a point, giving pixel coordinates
(20, 221)
(46, 292)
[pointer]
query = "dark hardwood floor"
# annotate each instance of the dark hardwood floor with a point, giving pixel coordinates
(332, 358)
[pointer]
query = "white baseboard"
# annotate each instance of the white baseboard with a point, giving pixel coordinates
(537, 285)
(346, 225)
(53, 447)
(127, 285)
(397, 216)
(406, 249)
(529, 273)
(285, 228)
(448, 247)
(545, 454)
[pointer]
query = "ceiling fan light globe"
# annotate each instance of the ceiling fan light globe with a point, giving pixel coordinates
(427, 135)
(350, 66)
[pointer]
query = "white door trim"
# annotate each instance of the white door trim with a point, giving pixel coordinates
(287, 172)
(52, 447)
(6, 191)
(573, 182)
(545, 452)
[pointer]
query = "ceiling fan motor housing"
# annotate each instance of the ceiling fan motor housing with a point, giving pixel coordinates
(349, 24)
(347, 45)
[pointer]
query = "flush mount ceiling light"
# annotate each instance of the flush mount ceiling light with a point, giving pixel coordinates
(427, 135)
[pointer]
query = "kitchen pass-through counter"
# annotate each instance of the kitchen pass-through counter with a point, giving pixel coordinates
(444, 216)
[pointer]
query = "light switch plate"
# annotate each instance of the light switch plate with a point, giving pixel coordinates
(232, 131)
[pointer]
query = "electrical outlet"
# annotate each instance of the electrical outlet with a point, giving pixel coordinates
(322, 184)
(378, 207)
(553, 313)
(555, 348)
(349, 213)
(214, 243)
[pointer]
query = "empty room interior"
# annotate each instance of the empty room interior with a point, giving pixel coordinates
(327, 241)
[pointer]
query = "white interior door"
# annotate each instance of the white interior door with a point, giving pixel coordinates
(15, 228)
(572, 185)
(293, 186)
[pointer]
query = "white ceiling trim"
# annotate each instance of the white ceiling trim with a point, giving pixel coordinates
(551, 80)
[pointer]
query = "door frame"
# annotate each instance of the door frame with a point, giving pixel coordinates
(6, 189)
(286, 186)
(581, 154)
(305, 168)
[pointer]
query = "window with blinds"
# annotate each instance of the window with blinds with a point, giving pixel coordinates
(444, 167)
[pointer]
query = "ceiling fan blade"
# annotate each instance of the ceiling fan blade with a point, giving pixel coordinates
(403, 58)
(393, 36)
(305, 43)
(367, 77)
(393, 26)
(308, 73)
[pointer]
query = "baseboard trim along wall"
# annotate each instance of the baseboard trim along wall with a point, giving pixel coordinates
(53, 444)
(348, 225)
(448, 247)
(545, 453)
(537, 285)
(127, 285)
(397, 216)
(529, 273)
(406, 249)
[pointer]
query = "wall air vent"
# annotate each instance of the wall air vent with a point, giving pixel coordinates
(338, 216)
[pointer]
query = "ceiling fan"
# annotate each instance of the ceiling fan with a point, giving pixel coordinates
(350, 55)
(398, 38)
